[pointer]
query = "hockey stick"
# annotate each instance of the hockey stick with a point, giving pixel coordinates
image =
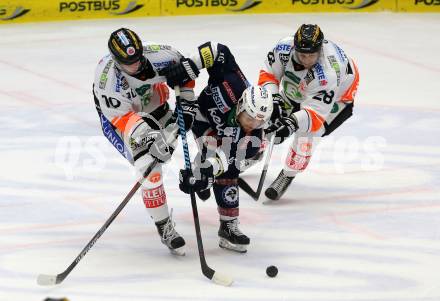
(206, 270)
(245, 186)
(44, 279)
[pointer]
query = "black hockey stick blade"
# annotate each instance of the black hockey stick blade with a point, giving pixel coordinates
(246, 188)
(44, 279)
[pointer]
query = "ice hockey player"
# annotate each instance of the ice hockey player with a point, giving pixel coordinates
(229, 132)
(313, 84)
(131, 100)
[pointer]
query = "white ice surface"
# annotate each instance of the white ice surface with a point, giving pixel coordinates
(362, 223)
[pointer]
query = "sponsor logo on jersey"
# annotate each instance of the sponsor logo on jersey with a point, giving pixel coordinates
(340, 53)
(219, 100)
(228, 90)
(283, 47)
(321, 75)
(17, 12)
(206, 55)
(103, 79)
(334, 64)
(154, 197)
(230, 195)
(156, 48)
(206, 3)
(104, 5)
(284, 58)
(161, 64)
(309, 77)
(427, 2)
(114, 139)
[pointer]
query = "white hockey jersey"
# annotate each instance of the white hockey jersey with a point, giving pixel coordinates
(316, 90)
(120, 96)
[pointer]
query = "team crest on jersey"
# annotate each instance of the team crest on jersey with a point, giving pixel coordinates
(293, 77)
(144, 92)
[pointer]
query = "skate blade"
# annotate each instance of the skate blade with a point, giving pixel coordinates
(225, 244)
(178, 252)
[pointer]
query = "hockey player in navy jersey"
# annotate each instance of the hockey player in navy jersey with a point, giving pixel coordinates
(229, 131)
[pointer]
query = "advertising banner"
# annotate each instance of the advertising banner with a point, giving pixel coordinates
(203, 7)
(421, 6)
(48, 10)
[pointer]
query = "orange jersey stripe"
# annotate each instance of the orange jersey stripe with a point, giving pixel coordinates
(125, 122)
(190, 84)
(266, 77)
(163, 91)
(316, 120)
(351, 92)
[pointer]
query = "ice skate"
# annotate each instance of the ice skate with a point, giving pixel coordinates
(170, 237)
(278, 187)
(231, 237)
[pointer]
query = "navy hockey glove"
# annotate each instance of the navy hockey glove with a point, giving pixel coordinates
(189, 109)
(202, 179)
(284, 129)
(180, 73)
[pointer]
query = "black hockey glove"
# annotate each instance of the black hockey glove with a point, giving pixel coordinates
(189, 109)
(180, 73)
(277, 112)
(200, 180)
(283, 130)
(153, 143)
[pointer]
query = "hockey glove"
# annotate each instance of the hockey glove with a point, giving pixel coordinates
(189, 109)
(284, 129)
(180, 73)
(202, 179)
(277, 112)
(152, 142)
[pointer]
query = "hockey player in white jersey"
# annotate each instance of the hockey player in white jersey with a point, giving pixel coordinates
(131, 100)
(313, 84)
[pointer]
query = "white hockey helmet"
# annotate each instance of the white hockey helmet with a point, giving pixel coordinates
(257, 102)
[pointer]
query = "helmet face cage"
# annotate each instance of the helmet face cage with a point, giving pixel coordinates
(308, 38)
(125, 46)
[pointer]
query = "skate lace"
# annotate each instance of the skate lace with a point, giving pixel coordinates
(169, 233)
(233, 227)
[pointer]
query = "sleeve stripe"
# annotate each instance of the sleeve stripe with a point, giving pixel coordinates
(125, 122)
(316, 120)
(266, 77)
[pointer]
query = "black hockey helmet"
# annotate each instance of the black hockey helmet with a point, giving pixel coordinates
(308, 38)
(125, 46)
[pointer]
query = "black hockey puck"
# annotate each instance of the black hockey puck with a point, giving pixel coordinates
(271, 271)
(56, 299)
